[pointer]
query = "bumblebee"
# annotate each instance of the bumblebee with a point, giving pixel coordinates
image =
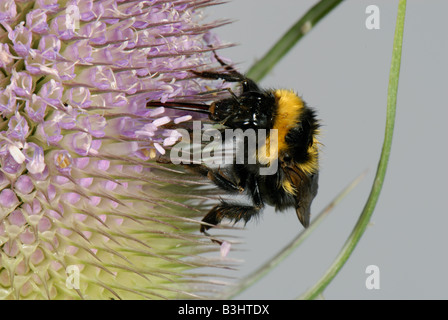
(295, 182)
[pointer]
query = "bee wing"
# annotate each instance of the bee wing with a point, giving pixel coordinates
(305, 186)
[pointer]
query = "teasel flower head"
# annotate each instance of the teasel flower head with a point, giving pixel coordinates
(85, 209)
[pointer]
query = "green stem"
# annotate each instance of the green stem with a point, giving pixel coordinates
(290, 38)
(364, 219)
(288, 249)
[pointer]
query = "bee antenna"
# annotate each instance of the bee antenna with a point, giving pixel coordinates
(184, 106)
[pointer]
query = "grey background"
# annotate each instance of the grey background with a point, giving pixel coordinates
(341, 69)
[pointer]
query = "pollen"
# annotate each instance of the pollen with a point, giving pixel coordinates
(63, 160)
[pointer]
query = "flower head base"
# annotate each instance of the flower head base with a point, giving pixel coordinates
(84, 210)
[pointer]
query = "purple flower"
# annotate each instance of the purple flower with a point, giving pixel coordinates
(85, 210)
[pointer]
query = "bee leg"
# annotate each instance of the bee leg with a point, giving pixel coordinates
(224, 183)
(233, 211)
(247, 84)
(229, 77)
(227, 67)
(219, 178)
(234, 96)
(256, 196)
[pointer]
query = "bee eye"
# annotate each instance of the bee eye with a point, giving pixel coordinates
(287, 157)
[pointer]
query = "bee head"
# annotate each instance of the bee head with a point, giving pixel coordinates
(249, 110)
